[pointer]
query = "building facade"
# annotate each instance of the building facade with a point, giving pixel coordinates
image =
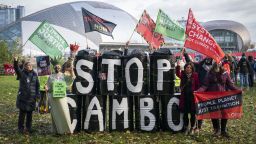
(230, 35)
(67, 20)
(9, 14)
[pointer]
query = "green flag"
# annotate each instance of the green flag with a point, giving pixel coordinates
(49, 40)
(168, 27)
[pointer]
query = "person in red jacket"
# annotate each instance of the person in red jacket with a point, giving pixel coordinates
(189, 83)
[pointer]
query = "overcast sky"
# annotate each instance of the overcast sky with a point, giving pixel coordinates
(243, 11)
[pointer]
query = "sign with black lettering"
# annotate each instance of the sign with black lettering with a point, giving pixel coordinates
(59, 89)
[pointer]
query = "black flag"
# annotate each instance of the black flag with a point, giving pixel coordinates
(95, 23)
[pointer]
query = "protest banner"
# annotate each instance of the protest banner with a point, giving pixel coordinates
(146, 101)
(8, 69)
(59, 89)
(133, 70)
(218, 105)
(146, 27)
(169, 27)
(199, 39)
(95, 23)
(43, 65)
(49, 40)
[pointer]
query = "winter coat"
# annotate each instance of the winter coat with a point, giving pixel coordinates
(201, 68)
(28, 89)
(185, 85)
(217, 82)
(244, 66)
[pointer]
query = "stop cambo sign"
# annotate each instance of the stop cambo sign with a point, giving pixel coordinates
(139, 80)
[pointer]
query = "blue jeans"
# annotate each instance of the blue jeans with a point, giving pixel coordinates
(244, 82)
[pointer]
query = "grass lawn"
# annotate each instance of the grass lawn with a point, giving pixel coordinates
(241, 130)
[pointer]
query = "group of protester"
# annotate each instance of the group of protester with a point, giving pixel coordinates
(31, 89)
(208, 75)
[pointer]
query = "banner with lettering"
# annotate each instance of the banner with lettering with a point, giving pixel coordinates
(95, 23)
(169, 27)
(218, 105)
(59, 89)
(199, 39)
(146, 27)
(49, 40)
(43, 65)
(8, 69)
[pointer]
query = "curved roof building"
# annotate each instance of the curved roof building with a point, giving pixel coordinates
(67, 20)
(230, 35)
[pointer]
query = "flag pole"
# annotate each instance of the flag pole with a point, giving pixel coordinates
(87, 47)
(128, 42)
(24, 45)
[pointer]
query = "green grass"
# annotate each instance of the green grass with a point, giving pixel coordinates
(242, 130)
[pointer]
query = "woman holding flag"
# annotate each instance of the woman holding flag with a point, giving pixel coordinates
(218, 80)
(189, 83)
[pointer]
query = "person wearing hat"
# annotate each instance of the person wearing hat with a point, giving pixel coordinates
(27, 94)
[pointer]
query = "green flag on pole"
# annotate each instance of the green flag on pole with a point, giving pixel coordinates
(168, 27)
(49, 40)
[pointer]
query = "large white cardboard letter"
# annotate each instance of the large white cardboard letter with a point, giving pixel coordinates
(90, 112)
(81, 89)
(119, 109)
(138, 87)
(161, 69)
(169, 115)
(111, 63)
(145, 112)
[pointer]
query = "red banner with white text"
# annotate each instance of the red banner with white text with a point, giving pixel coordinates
(199, 39)
(145, 28)
(8, 69)
(218, 105)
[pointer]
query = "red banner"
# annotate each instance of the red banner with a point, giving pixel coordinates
(218, 105)
(8, 69)
(145, 28)
(199, 39)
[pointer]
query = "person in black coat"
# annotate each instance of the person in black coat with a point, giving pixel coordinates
(28, 91)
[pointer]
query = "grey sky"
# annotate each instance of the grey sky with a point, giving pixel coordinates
(243, 11)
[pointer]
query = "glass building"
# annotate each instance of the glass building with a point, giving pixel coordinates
(9, 14)
(68, 21)
(230, 35)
